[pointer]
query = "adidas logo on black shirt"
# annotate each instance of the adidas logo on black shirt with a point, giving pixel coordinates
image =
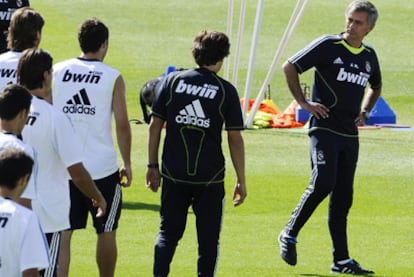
(193, 114)
(79, 104)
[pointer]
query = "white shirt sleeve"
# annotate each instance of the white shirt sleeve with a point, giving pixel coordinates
(67, 141)
(34, 248)
(31, 188)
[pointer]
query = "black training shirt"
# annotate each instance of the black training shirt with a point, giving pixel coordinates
(341, 75)
(7, 8)
(195, 104)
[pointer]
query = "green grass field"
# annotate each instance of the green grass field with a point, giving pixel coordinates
(147, 36)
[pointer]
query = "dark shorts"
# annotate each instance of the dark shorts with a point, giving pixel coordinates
(82, 205)
(53, 240)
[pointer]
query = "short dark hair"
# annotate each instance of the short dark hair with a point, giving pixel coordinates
(13, 99)
(210, 47)
(92, 33)
(32, 64)
(24, 25)
(14, 164)
(364, 6)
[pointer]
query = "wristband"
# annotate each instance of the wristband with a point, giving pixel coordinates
(153, 165)
(366, 114)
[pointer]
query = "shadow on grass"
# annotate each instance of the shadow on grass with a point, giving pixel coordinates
(314, 275)
(335, 274)
(140, 206)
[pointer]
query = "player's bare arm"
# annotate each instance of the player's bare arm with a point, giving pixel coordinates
(31, 272)
(236, 147)
(123, 131)
(82, 179)
(292, 78)
(370, 98)
(153, 176)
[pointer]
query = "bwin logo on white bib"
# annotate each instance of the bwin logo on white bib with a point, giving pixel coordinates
(193, 114)
(91, 77)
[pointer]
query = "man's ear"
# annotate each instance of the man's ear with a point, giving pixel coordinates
(104, 44)
(46, 74)
(371, 28)
(38, 38)
(22, 183)
(23, 113)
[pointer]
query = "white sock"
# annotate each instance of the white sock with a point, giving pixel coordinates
(343, 261)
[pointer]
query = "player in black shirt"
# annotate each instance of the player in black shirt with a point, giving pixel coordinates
(195, 104)
(344, 66)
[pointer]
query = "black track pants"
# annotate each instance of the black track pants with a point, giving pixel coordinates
(208, 204)
(333, 161)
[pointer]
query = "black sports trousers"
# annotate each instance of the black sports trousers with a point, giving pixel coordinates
(333, 161)
(208, 204)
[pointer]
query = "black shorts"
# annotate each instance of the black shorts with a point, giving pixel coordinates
(80, 205)
(53, 240)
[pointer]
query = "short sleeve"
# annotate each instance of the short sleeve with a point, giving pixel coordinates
(159, 105)
(310, 55)
(34, 248)
(31, 188)
(233, 117)
(67, 141)
(376, 78)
